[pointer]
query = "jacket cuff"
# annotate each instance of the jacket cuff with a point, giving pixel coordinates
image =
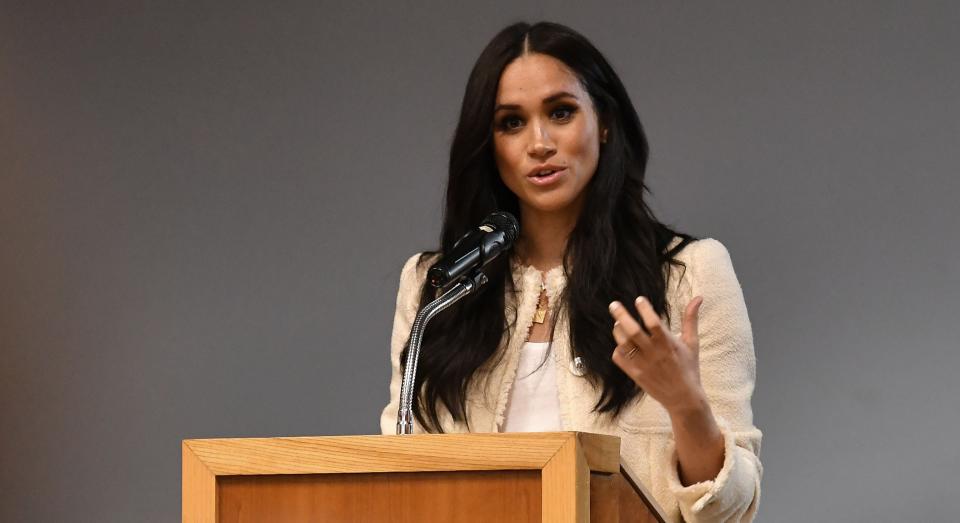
(729, 496)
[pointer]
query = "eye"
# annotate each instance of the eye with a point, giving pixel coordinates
(510, 123)
(563, 112)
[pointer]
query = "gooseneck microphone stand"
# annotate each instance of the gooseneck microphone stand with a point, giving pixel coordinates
(464, 286)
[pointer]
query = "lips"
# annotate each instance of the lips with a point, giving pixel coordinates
(546, 174)
(546, 179)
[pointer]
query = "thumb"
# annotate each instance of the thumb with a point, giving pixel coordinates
(689, 326)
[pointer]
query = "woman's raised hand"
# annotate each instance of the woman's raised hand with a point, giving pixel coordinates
(665, 366)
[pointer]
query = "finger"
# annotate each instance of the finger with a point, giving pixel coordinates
(623, 338)
(629, 325)
(625, 344)
(630, 351)
(627, 365)
(619, 334)
(691, 320)
(650, 318)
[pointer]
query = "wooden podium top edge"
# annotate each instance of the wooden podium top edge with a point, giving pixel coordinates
(411, 453)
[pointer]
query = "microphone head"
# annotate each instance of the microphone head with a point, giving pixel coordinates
(475, 249)
(504, 221)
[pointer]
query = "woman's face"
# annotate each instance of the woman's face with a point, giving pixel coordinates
(545, 122)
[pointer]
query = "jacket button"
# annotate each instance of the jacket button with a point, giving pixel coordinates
(577, 368)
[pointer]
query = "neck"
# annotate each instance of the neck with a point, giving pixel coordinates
(543, 237)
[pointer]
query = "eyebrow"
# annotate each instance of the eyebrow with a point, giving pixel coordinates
(551, 98)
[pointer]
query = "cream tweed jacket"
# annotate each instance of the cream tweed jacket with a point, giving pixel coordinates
(727, 368)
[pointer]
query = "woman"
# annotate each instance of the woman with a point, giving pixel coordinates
(548, 133)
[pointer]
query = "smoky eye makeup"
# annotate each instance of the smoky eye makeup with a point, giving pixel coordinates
(512, 121)
(570, 110)
(509, 122)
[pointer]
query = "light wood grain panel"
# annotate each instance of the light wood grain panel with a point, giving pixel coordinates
(468, 497)
(413, 453)
(566, 486)
(197, 489)
(561, 461)
(601, 452)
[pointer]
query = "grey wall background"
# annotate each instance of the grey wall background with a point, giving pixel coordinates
(204, 207)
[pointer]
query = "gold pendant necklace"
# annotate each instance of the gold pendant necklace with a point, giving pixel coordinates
(541, 315)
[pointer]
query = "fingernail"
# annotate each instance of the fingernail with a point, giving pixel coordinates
(640, 300)
(613, 306)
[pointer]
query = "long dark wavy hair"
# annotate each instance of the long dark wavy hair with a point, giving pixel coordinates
(616, 251)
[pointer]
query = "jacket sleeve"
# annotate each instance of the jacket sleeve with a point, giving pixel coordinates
(408, 301)
(727, 372)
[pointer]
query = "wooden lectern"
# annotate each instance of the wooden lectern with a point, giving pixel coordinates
(553, 477)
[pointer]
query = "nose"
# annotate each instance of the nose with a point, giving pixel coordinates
(541, 146)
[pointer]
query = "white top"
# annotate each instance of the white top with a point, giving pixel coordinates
(534, 404)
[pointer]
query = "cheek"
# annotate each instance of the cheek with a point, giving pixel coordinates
(508, 158)
(585, 148)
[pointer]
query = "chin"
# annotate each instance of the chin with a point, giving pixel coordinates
(548, 203)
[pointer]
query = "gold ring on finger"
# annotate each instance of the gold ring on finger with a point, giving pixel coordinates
(632, 352)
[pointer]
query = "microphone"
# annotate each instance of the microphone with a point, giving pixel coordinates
(476, 248)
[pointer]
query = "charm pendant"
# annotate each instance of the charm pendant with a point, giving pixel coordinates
(540, 315)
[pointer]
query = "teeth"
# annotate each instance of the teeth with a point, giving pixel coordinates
(545, 172)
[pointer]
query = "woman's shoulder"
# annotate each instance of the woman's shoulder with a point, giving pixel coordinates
(710, 271)
(706, 251)
(707, 263)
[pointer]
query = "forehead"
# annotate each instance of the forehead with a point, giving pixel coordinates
(533, 77)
